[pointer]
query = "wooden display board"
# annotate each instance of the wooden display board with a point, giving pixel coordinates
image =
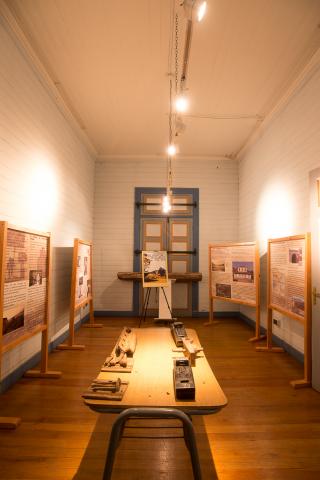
(81, 289)
(25, 258)
(289, 291)
(234, 276)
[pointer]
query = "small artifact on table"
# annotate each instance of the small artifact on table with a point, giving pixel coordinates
(121, 358)
(183, 379)
(106, 389)
(184, 343)
(178, 332)
(191, 350)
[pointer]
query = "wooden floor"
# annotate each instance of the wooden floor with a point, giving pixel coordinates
(267, 431)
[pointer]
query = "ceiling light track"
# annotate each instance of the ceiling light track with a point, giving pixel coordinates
(218, 116)
(180, 105)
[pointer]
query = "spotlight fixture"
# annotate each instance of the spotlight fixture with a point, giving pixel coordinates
(202, 8)
(171, 150)
(180, 126)
(181, 104)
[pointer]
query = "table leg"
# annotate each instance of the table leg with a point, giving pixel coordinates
(190, 441)
(118, 426)
(115, 437)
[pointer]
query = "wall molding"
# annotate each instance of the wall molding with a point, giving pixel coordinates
(160, 157)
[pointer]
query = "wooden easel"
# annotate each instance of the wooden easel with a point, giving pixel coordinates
(42, 328)
(74, 306)
(165, 309)
(255, 304)
(306, 320)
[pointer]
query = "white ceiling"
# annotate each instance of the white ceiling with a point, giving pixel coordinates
(109, 60)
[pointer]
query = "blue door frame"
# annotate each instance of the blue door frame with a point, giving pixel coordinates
(137, 257)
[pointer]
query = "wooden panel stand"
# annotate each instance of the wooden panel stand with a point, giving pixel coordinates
(306, 381)
(74, 306)
(92, 323)
(256, 304)
(269, 347)
(9, 423)
(13, 422)
(44, 372)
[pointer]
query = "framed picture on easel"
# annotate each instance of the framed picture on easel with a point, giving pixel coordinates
(154, 269)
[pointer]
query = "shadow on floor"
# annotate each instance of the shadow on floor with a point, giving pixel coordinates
(150, 449)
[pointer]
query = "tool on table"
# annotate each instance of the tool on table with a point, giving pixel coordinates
(178, 332)
(121, 357)
(183, 379)
(106, 389)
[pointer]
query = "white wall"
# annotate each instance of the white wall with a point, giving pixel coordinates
(273, 183)
(114, 218)
(47, 179)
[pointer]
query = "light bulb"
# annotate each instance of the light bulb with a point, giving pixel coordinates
(171, 150)
(181, 104)
(201, 11)
(166, 206)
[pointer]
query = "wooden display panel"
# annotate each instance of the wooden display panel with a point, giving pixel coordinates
(81, 289)
(234, 276)
(25, 267)
(289, 291)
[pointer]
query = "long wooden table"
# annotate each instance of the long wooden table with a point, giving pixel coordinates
(151, 391)
(151, 380)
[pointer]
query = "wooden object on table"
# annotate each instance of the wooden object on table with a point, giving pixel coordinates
(246, 253)
(178, 277)
(25, 268)
(191, 350)
(106, 389)
(300, 312)
(121, 357)
(151, 380)
(81, 290)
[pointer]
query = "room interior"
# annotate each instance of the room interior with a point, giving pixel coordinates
(87, 113)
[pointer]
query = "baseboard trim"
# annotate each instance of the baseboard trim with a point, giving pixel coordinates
(16, 374)
(275, 339)
(115, 313)
(129, 313)
(216, 314)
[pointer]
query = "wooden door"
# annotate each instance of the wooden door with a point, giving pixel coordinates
(153, 237)
(180, 241)
(314, 177)
(174, 233)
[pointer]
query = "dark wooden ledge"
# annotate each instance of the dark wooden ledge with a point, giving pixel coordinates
(179, 277)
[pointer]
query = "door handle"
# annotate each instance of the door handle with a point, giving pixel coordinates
(315, 295)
